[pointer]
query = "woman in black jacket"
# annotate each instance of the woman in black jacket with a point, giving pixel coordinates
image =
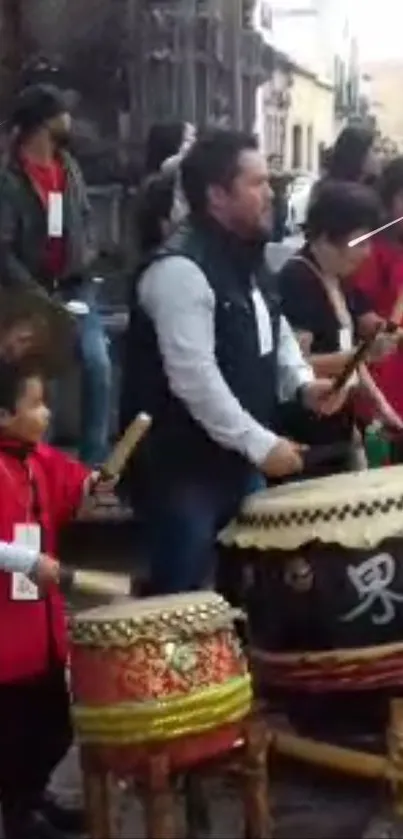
(354, 156)
(354, 159)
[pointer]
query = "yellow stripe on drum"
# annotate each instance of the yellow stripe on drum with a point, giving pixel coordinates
(168, 720)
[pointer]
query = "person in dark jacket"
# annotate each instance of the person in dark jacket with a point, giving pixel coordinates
(380, 278)
(208, 353)
(154, 209)
(279, 182)
(328, 316)
(46, 241)
(353, 158)
(164, 141)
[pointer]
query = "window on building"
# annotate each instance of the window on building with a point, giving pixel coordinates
(309, 148)
(296, 151)
(247, 13)
(266, 15)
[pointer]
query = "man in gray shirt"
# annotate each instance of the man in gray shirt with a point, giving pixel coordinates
(209, 354)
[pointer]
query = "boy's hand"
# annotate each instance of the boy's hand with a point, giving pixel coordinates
(97, 485)
(46, 570)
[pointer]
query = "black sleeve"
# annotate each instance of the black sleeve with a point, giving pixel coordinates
(358, 303)
(298, 297)
(13, 272)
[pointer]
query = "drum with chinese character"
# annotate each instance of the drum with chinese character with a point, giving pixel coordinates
(325, 595)
(159, 672)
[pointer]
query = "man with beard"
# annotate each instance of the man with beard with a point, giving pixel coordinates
(208, 353)
(46, 244)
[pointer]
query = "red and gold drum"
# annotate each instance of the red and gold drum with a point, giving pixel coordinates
(156, 672)
(325, 601)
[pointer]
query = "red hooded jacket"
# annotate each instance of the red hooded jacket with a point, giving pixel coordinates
(380, 277)
(42, 486)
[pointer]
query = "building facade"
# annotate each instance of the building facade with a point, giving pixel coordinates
(310, 125)
(384, 84)
(295, 105)
(130, 63)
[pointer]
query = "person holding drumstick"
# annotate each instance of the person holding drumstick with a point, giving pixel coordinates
(207, 353)
(326, 314)
(380, 278)
(40, 490)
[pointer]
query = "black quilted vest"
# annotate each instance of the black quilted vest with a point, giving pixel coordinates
(177, 447)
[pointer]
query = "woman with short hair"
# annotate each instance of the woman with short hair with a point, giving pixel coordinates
(327, 315)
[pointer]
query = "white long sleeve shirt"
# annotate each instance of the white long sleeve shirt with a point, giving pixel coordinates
(15, 557)
(181, 304)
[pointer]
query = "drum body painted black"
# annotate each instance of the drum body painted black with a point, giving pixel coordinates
(322, 581)
(326, 597)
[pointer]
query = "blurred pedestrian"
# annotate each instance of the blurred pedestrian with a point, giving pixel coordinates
(354, 158)
(163, 142)
(167, 145)
(327, 315)
(154, 211)
(279, 181)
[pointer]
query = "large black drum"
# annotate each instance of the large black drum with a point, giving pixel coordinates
(325, 595)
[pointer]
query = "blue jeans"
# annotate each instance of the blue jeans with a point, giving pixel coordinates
(95, 380)
(181, 531)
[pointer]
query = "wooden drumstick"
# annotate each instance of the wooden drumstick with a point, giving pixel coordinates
(124, 448)
(101, 583)
(396, 314)
(364, 347)
(354, 362)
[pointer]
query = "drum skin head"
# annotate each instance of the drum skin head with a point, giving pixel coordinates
(355, 510)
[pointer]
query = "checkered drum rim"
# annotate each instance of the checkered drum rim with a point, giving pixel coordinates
(355, 510)
(311, 516)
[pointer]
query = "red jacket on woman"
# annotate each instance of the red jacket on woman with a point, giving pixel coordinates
(43, 486)
(380, 277)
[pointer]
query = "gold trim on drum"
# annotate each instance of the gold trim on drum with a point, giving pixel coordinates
(167, 720)
(189, 622)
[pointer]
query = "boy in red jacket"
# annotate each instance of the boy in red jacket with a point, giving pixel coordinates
(40, 490)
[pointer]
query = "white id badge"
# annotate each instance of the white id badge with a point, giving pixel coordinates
(55, 215)
(263, 322)
(345, 339)
(27, 536)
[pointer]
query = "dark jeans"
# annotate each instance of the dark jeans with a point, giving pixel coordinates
(95, 378)
(181, 526)
(35, 734)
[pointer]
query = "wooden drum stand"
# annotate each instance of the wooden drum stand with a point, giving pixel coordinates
(161, 691)
(247, 760)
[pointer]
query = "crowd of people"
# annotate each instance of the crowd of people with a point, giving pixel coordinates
(235, 367)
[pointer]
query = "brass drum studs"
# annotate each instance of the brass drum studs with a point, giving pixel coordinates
(299, 575)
